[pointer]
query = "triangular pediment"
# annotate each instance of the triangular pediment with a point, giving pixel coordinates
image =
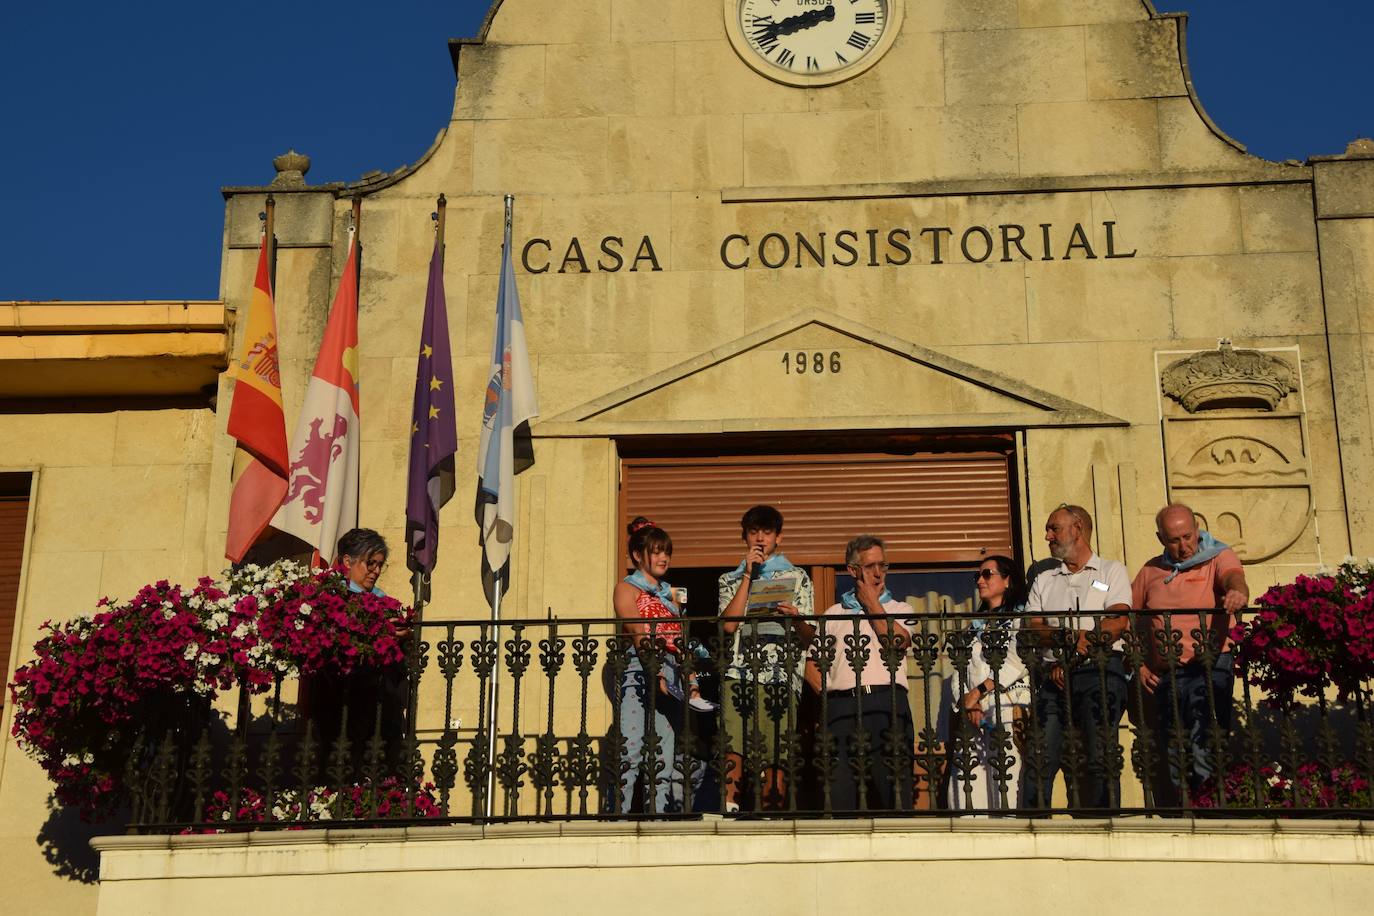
(816, 370)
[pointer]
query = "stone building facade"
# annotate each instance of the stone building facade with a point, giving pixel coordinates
(1002, 231)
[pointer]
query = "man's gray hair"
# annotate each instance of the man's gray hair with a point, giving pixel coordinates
(859, 544)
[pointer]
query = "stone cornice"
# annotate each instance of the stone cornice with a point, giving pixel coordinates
(119, 351)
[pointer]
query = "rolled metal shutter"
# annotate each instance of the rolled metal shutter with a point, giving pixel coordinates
(14, 514)
(935, 508)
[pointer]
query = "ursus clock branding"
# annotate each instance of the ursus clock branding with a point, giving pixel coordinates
(812, 42)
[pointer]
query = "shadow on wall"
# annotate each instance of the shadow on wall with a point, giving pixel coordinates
(66, 842)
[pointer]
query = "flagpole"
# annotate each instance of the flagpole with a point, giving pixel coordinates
(269, 222)
(493, 693)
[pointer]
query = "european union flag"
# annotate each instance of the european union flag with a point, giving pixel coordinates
(433, 426)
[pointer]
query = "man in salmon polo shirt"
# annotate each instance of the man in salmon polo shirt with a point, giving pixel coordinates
(866, 709)
(1195, 572)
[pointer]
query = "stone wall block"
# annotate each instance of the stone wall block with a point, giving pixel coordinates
(1186, 143)
(1053, 367)
(960, 15)
(1015, 66)
(671, 20)
(554, 155)
(676, 153)
(1177, 222)
(1345, 188)
(1246, 296)
(1090, 300)
(132, 507)
(1277, 218)
(949, 143)
(1089, 138)
(1134, 60)
(300, 220)
(1347, 250)
(601, 79)
(57, 440)
(712, 79)
(811, 148)
(499, 81)
(1039, 13)
(540, 22)
(173, 437)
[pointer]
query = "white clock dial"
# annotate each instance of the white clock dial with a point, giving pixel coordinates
(814, 42)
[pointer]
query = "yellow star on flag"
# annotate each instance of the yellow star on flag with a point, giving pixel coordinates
(426, 351)
(435, 383)
(414, 428)
(433, 413)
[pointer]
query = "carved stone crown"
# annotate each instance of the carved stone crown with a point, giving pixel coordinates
(1226, 377)
(291, 167)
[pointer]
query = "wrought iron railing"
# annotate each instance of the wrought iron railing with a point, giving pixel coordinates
(575, 719)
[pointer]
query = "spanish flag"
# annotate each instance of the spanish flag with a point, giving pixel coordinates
(257, 422)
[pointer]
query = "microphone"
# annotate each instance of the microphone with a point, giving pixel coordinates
(755, 572)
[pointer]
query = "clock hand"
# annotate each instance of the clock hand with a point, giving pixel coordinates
(792, 24)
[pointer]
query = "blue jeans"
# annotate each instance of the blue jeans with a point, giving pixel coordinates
(1192, 683)
(661, 772)
(1094, 786)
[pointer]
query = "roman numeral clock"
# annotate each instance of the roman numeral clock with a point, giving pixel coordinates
(812, 42)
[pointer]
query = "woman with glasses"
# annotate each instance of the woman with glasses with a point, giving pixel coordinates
(362, 554)
(989, 696)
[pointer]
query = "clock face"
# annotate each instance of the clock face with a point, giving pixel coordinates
(814, 42)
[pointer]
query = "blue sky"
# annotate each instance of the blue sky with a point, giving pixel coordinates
(122, 121)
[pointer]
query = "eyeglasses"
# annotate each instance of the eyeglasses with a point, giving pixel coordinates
(871, 567)
(985, 574)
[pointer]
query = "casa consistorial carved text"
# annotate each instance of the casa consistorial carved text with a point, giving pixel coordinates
(891, 246)
(1226, 377)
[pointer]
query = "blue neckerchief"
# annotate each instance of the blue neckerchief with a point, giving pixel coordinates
(1207, 549)
(777, 563)
(850, 600)
(355, 587)
(663, 591)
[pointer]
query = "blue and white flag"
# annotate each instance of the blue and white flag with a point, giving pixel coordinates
(505, 449)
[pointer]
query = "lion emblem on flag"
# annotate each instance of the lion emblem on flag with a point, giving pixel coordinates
(308, 472)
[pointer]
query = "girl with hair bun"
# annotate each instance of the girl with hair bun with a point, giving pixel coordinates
(648, 611)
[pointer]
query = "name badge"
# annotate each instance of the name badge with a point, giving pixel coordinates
(1099, 585)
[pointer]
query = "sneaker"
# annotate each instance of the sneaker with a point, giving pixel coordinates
(700, 704)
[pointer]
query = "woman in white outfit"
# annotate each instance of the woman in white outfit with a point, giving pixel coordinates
(986, 699)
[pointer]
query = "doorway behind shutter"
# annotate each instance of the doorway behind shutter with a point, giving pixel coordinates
(950, 507)
(14, 515)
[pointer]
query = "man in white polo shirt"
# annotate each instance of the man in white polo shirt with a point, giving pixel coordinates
(1087, 696)
(866, 709)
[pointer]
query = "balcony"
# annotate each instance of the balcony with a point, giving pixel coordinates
(408, 774)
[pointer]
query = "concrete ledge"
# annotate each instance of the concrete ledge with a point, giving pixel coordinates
(808, 867)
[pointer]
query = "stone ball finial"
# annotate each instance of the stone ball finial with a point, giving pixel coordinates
(291, 167)
(1360, 148)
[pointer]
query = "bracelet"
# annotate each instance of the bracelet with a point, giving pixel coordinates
(982, 689)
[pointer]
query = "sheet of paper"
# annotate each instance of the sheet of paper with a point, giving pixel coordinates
(766, 594)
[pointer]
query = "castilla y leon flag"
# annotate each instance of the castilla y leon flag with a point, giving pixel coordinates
(257, 422)
(505, 448)
(322, 493)
(433, 427)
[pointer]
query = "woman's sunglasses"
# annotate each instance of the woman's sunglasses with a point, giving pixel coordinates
(985, 574)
